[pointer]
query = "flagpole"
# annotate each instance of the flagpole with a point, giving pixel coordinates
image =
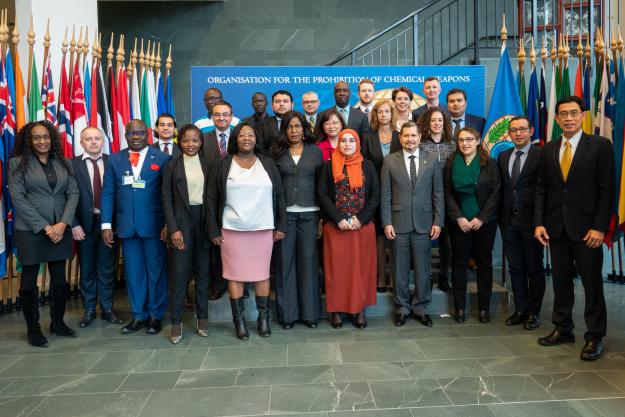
(31, 44)
(168, 67)
(120, 56)
(613, 48)
(4, 36)
(141, 66)
(72, 49)
(46, 50)
(133, 63)
(85, 48)
(110, 52)
(158, 60)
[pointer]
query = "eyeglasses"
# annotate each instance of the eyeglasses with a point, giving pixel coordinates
(135, 133)
(518, 130)
(221, 115)
(294, 127)
(332, 123)
(572, 113)
(465, 140)
(307, 102)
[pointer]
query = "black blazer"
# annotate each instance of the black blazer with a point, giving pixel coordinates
(357, 120)
(255, 121)
(585, 200)
(175, 149)
(176, 196)
(476, 122)
(84, 211)
(216, 192)
(371, 150)
(300, 181)
(487, 189)
(517, 203)
(269, 133)
(326, 190)
(210, 147)
(420, 110)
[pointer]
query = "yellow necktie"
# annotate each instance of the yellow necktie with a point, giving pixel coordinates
(565, 162)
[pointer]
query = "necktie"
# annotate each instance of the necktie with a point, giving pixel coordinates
(366, 110)
(166, 148)
(97, 183)
(279, 123)
(312, 121)
(516, 168)
(222, 144)
(134, 158)
(565, 162)
(456, 126)
(345, 115)
(413, 171)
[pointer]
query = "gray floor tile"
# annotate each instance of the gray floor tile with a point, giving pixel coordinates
(245, 357)
(528, 346)
(388, 351)
(546, 409)
(149, 381)
(205, 402)
(333, 335)
(18, 406)
(604, 408)
(577, 385)
(461, 348)
(127, 404)
(314, 354)
(445, 368)
(55, 385)
(114, 344)
(494, 389)
(616, 378)
(454, 411)
(149, 361)
(52, 364)
(320, 397)
(398, 412)
(519, 365)
(379, 371)
(313, 374)
(207, 379)
(8, 360)
(281, 338)
(419, 392)
(478, 330)
(572, 362)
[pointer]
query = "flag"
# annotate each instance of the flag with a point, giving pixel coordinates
(578, 90)
(78, 111)
(542, 108)
(169, 98)
(111, 98)
(21, 103)
(64, 116)
(152, 96)
(135, 98)
(588, 118)
(619, 131)
(596, 94)
(102, 115)
(7, 126)
(552, 104)
(35, 111)
(565, 86)
(123, 106)
(47, 94)
(504, 105)
(87, 91)
(522, 91)
(533, 106)
(604, 109)
(161, 104)
(146, 113)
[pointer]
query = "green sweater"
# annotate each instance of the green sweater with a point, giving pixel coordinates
(464, 178)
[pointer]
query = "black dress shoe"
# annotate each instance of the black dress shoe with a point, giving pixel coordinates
(443, 286)
(424, 319)
(532, 322)
(216, 293)
(381, 289)
(154, 326)
(59, 328)
(592, 350)
(133, 326)
(312, 324)
(400, 319)
(516, 319)
(336, 321)
(360, 321)
(111, 317)
(459, 316)
(484, 317)
(87, 319)
(556, 337)
(287, 325)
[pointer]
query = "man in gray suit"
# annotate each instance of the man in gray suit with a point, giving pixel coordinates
(412, 209)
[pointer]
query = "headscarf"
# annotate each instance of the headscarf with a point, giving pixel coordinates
(352, 163)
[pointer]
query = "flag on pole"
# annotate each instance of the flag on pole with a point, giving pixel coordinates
(123, 106)
(64, 116)
(111, 98)
(522, 90)
(78, 111)
(504, 105)
(103, 116)
(533, 106)
(47, 94)
(152, 96)
(604, 109)
(578, 90)
(588, 118)
(146, 113)
(542, 109)
(161, 104)
(169, 99)
(87, 91)
(21, 103)
(135, 98)
(35, 111)
(552, 105)
(7, 125)
(619, 131)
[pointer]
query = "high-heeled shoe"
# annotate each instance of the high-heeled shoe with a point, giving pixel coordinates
(336, 320)
(176, 333)
(360, 322)
(202, 327)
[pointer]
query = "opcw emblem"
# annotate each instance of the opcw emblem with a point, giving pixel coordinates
(496, 139)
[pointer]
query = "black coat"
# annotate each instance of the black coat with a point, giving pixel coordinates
(210, 147)
(175, 149)
(300, 180)
(84, 210)
(371, 150)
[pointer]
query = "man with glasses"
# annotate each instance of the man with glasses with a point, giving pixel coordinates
(518, 167)
(131, 197)
(353, 118)
(574, 200)
(310, 104)
(206, 124)
(457, 106)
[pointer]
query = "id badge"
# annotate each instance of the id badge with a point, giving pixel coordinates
(138, 184)
(127, 180)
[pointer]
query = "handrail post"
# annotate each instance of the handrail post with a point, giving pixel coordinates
(353, 56)
(476, 35)
(415, 39)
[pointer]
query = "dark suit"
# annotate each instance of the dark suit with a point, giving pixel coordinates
(297, 283)
(371, 149)
(97, 261)
(269, 133)
(476, 122)
(210, 147)
(476, 243)
(256, 120)
(420, 110)
(174, 148)
(412, 213)
(138, 221)
(568, 210)
(516, 221)
(357, 120)
(190, 221)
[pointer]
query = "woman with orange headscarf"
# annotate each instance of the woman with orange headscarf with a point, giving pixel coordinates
(349, 194)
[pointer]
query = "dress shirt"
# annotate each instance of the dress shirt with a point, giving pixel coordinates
(195, 179)
(227, 133)
(364, 109)
(462, 118)
(523, 157)
(407, 160)
(574, 142)
(170, 145)
(86, 157)
(344, 112)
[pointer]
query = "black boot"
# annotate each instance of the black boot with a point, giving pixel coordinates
(58, 298)
(238, 318)
(262, 304)
(30, 308)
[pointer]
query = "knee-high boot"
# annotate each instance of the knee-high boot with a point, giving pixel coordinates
(262, 304)
(58, 300)
(238, 318)
(30, 308)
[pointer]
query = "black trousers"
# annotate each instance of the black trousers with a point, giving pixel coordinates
(444, 252)
(194, 259)
(28, 281)
(566, 254)
(298, 295)
(476, 244)
(97, 269)
(527, 275)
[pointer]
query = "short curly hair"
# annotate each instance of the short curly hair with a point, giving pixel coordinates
(23, 147)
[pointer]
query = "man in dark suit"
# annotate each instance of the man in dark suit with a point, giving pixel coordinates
(281, 104)
(353, 118)
(366, 94)
(519, 170)
(164, 131)
(574, 198)
(259, 103)
(310, 104)
(215, 143)
(412, 208)
(457, 106)
(132, 192)
(97, 261)
(432, 92)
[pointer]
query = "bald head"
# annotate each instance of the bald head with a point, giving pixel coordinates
(92, 141)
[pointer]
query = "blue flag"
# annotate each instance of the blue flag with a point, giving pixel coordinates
(168, 97)
(504, 105)
(533, 106)
(86, 88)
(542, 108)
(161, 105)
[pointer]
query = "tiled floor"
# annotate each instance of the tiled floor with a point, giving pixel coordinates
(470, 370)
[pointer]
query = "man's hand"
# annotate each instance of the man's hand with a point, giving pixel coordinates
(540, 233)
(594, 238)
(389, 232)
(78, 233)
(107, 237)
(177, 240)
(435, 233)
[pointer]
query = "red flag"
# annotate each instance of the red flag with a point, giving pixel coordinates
(78, 110)
(93, 102)
(63, 114)
(123, 106)
(579, 92)
(111, 94)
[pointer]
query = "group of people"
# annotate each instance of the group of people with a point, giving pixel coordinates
(355, 188)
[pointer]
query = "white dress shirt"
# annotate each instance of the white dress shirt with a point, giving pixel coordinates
(574, 142)
(170, 146)
(407, 160)
(100, 162)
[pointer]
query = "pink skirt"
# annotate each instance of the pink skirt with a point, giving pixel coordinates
(246, 256)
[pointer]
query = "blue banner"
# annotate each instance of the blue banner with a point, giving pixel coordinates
(238, 84)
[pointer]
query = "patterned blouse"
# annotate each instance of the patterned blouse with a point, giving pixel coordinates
(348, 201)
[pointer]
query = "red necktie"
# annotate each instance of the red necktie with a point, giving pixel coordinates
(134, 158)
(166, 148)
(97, 183)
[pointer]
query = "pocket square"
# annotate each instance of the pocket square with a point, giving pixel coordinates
(155, 167)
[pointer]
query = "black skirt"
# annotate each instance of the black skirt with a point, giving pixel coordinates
(35, 248)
